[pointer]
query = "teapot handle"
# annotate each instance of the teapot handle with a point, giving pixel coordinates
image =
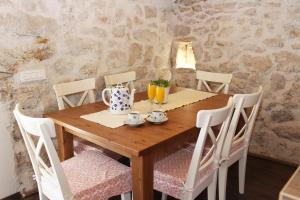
(103, 96)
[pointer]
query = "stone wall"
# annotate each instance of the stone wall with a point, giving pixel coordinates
(74, 40)
(259, 42)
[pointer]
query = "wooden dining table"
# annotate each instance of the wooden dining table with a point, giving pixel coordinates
(142, 145)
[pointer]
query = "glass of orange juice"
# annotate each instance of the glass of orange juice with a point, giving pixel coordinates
(160, 94)
(151, 90)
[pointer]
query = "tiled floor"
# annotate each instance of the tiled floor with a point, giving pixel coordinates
(264, 180)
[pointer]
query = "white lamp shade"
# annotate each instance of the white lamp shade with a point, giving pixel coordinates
(185, 57)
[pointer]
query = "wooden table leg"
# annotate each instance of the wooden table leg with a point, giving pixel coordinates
(65, 143)
(142, 177)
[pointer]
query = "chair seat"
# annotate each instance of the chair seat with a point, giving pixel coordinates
(94, 176)
(82, 146)
(170, 173)
(236, 147)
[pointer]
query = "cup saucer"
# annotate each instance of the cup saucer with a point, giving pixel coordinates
(134, 124)
(151, 120)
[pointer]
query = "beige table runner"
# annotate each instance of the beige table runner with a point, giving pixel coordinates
(175, 100)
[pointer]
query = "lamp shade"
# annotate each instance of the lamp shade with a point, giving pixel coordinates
(185, 57)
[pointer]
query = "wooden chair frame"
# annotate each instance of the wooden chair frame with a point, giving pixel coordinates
(115, 79)
(241, 102)
(62, 90)
(205, 120)
(51, 180)
(205, 77)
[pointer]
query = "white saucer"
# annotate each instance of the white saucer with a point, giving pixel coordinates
(149, 119)
(134, 124)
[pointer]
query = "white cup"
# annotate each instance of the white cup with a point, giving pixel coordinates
(158, 115)
(134, 117)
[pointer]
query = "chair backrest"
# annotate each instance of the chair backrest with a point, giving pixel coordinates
(128, 78)
(37, 134)
(206, 119)
(241, 103)
(85, 86)
(223, 79)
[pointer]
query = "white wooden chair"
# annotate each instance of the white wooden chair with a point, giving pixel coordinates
(128, 78)
(63, 90)
(90, 175)
(236, 144)
(204, 77)
(186, 173)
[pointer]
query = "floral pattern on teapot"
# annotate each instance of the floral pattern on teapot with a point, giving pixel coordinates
(117, 101)
(121, 100)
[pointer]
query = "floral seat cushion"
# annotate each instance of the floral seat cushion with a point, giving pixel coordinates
(82, 146)
(94, 176)
(236, 147)
(170, 173)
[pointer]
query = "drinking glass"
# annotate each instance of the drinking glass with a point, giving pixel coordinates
(151, 91)
(160, 95)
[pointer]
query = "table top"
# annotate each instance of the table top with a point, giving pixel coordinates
(134, 141)
(291, 190)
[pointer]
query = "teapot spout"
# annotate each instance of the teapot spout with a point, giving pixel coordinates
(132, 97)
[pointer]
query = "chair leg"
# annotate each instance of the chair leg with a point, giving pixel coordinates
(41, 195)
(242, 173)
(126, 196)
(212, 188)
(222, 182)
(164, 196)
(187, 196)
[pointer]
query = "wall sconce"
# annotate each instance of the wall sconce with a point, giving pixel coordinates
(185, 57)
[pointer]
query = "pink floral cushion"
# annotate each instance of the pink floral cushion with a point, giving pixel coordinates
(170, 173)
(94, 176)
(82, 146)
(236, 147)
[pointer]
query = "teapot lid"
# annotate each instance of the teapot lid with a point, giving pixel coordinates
(120, 85)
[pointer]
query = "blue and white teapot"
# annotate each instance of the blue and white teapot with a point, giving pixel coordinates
(121, 101)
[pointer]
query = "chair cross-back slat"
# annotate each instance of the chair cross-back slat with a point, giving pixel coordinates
(246, 123)
(85, 86)
(223, 79)
(36, 150)
(235, 148)
(242, 101)
(52, 177)
(43, 167)
(114, 79)
(83, 97)
(221, 87)
(206, 85)
(86, 89)
(43, 129)
(209, 155)
(205, 120)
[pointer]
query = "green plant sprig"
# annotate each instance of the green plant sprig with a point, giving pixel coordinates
(160, 82)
